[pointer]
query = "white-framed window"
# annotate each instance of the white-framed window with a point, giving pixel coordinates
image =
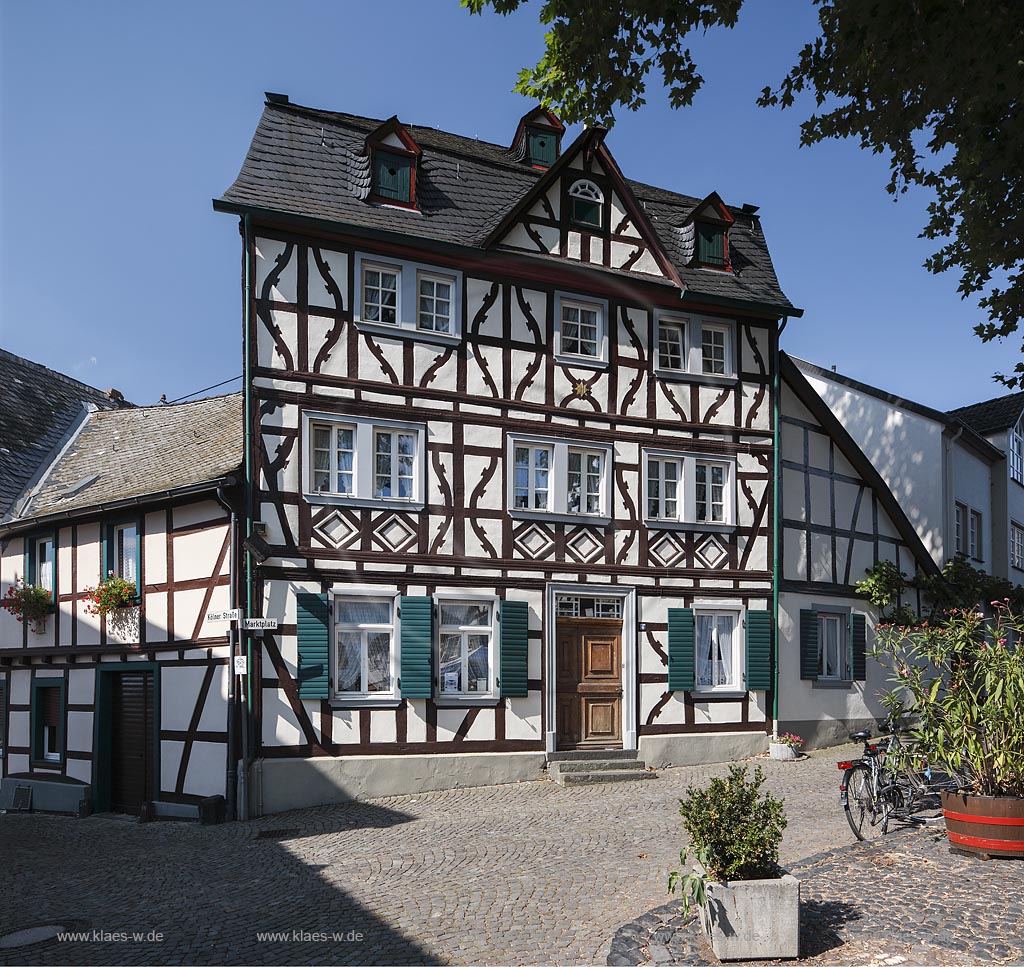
(364, 645)
(355, 460)
(585, 484)
(716, 349)
(577, 606)
(711, 499)
(960, 526)
(465, 661)
(380, 294)
(558, 478)
(407, 299)
(586, 203)
(435, 302)
(125, 550)
(974, 544)
(1017, 545)
(664, 479)
(44, 563)
(1017, 455)
(672, 345)
(718, 663)
(531, 481)
(833, 652)
(581, 336)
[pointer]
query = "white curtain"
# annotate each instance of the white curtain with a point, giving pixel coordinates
(705, 644)
(723, 664)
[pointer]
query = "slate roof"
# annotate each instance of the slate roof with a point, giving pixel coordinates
(311, 163)
(991, 416)
(142, 452)
(38, 407)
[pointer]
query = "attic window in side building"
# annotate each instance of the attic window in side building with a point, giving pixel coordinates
(393, 179)
(711, 247)
(586, 204)
(541, 146)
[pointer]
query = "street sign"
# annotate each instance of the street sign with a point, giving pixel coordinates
(241, 665)
(260, 624)
(233, 614)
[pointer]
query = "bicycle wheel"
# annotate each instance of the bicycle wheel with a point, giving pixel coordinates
(863, 812)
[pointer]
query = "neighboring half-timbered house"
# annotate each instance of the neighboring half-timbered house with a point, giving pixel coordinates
(511, 436)
(117, 710)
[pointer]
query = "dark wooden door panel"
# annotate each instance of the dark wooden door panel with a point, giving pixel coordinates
(588, 697)
(131, 741)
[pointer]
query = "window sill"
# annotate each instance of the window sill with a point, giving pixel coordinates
(587, 362)
(45, 764)
(452, 701)
(585, 519)
(360, 702)
(409, 332)
(684, 376)
(683, 525)
(699, 693)
(383, 503)
(834, 683)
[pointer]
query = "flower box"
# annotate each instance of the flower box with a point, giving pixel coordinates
(752, 919)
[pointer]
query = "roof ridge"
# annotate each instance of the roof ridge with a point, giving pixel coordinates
(31, 363)
(994, 399)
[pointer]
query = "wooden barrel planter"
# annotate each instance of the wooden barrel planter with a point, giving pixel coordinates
(986, 825)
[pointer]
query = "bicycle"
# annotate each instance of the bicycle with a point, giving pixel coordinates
(883, 785)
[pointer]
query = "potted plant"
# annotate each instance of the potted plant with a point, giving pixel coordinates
(748, 906)
(112, 593)
(785, 746)
(28, 602)
(962, 681)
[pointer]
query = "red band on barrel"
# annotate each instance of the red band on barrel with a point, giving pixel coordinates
(1016, 845)
(984, 820)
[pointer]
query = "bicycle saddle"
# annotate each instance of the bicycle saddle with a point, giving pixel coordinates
(860, 736)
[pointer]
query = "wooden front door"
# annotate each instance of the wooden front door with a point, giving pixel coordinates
(131, 741)
(588, 699)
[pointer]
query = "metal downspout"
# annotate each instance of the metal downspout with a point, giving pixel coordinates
(247, 724)
(776, 523)
(231, 788)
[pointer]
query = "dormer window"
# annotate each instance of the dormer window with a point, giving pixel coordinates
(711, 245)
(586, 204)
(541, 146)
(392, 177)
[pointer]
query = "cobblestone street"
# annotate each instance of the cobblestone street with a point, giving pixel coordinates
(518, 874)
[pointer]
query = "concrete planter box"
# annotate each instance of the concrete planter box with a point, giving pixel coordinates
(753, 919)
(779, 750)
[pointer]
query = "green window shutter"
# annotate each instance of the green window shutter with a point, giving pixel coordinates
(710, 244)
(30, 561)
(759, 641)
(417, 616)
(515, 645)
(107, 551)
(809, 645)
(541, 146)
(858, 647)
(680, 650)
(392, 176)
(313, 628)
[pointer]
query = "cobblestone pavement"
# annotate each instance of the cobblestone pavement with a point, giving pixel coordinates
(904, 900)
(529, 873)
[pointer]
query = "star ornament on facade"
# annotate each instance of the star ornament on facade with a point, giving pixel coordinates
(582, 389)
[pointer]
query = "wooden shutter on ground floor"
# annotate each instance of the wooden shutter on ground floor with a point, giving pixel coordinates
(809, 645)
(858, 647)
(313, 628)
(417, 618)
(759, 650)
(515, 647)
(680, 650)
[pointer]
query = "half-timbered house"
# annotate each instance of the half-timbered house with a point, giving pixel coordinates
(510, 429)
(118, 710)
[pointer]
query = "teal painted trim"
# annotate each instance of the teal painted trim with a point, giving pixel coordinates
(776, 517)
(858, 646)
(513, 680)
(417, 646)
(250, 732)
(809, 645)
(313, 622)
(681, 658)
(759, 650)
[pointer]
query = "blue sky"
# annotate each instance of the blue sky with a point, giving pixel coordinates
(120, 121)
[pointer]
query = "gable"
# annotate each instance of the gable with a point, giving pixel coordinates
(838, 516)
(583, 211)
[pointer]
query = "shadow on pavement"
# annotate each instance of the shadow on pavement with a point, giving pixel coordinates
(820, 924)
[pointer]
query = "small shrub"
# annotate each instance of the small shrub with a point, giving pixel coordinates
(734, 831)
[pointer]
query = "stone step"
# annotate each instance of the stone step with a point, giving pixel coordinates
(582, 755)
(596, 765)
(616, 775)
